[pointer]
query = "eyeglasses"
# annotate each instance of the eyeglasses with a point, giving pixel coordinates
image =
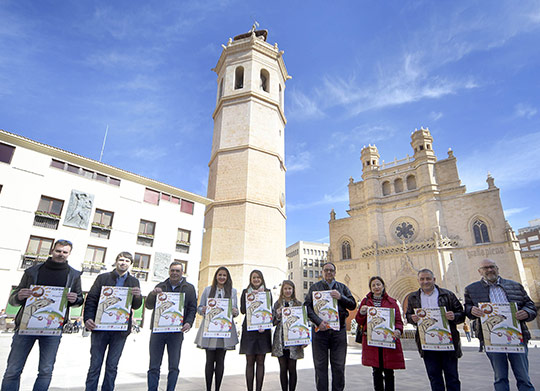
(329, 270)
(489, 267)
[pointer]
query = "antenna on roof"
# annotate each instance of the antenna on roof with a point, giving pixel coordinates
(103, 146)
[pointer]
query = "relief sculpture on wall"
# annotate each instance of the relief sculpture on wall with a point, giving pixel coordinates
(79, 209)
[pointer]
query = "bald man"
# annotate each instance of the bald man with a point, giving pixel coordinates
(494, 289)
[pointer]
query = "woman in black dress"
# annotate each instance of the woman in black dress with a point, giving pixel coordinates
(254, 344)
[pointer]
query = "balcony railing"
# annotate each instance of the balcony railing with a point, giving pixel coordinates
(46, 221)
(93, 267)
(140, 274)
(29, 260)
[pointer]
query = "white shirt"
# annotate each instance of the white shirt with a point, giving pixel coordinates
(431, 300)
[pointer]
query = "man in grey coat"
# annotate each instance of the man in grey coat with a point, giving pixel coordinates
(494, 289)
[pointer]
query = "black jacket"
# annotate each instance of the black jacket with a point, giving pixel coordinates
(190, 300)
(345, 304)
(478, 292)
(30, 277)
(450, 302)
(109, 279)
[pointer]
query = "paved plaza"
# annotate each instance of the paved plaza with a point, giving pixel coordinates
(73, 360)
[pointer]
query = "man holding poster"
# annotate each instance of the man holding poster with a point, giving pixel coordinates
(494, 289)
(102, 299)
(437, 362)
(329, 342)
(54, 272)
(173, 339)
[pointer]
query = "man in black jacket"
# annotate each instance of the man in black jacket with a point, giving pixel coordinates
(494, 289)
(114, 340)
(438, 362)
(173, 340)
(326, 341)
(55, 271)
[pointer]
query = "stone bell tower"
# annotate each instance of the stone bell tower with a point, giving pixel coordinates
(245, 225)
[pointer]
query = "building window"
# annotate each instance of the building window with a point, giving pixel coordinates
(386, 188)
(37, 251)
(187, 207)
(305, 273)
(311, 274)
(184, 265)
(151, 196)
(183, 240)
(265, 80)
(411, 182)
(346, 250)
(141, 266)
(480, 231)
(145, 237)
(280, 99)
(220, 94)
(398, 185)
(305, 285)
(6, 153)
(310, 283)
(48, 212)
(102, 224)
(84, 172)
(316, 274)
(94, 259)
(239, 78)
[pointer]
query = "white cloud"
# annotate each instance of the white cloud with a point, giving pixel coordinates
(360, 135)
(512, 161)
(327, 199)
(298, 162)
(435, 115)
(525, 111)
(303, 107)
(513, 211)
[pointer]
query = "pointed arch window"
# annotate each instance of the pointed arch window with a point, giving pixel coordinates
(265, 80)
(480, 230)
(411, 182)
(220, 89)
(239, 78)
(346, 250)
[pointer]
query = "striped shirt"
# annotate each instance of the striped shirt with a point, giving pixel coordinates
(496, 292)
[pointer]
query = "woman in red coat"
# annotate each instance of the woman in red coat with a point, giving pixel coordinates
(382, 360)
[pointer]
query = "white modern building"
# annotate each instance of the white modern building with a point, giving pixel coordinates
(48, 194)
(304, 264)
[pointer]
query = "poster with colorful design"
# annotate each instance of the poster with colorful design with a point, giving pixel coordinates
(258, 311)
(501, 329)
(434, 329)
(295, 326)
(326, 308)
(381, 323)
(114, 308)
(218, 318)
(44, 311)
(168, 312)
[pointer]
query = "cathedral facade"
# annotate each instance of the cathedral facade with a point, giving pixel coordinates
(415, 213)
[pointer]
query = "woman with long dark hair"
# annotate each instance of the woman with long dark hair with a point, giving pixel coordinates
(287, 355)
(382, 360)
(254, 344)
(217, 347)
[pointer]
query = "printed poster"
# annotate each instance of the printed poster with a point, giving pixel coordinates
(381, 324)
(113, 309)
(258, 311)
(44, 311)
(326, 308)
(295, 326)
(218, 318)
(434, 329)
(501, 329)
(168, 312)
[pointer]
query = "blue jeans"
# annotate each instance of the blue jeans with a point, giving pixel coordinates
(157, 347)
(20, 349)
(334, 344)
(439, 363)
(115, 340)
(520, 367)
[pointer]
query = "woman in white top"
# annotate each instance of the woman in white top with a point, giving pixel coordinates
(217, 347)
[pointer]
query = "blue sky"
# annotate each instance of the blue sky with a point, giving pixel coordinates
(363, 73)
